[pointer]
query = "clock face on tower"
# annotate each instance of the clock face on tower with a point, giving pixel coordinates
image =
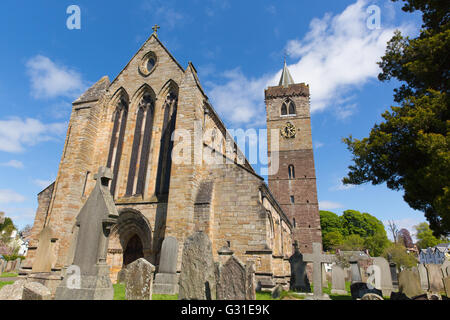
(288, 131)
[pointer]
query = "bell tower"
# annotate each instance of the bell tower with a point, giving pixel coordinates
(294, 184)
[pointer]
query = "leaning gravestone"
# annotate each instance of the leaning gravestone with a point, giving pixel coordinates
(299, 279)
(394, 275)
(434, 273)
(385, 273)
(355, 271)
(337, 280)
(197, 279)
(139, 280)
(318, 258)
(36, 291)
(409, 283)
(44, 254)
(166, 278)
(232, 280)
(94, 221)
(445, 268)
(446, 281)
(423, 275)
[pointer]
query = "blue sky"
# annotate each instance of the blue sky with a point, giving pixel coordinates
(237, 48)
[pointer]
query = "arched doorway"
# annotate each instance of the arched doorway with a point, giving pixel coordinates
(133, 251)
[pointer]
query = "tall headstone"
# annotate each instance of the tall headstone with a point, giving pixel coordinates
(166, 280)
(446, 281)
(45, 256)
(299, 277)
(17, 265)
(234, 280)
(197, 279)
(139, 280)
(355, 271)
(423, 276)
(385, 274)
(337, 280)
(318, 258)
(409, 283)
(394, 275)
(445, 268)
(94, 222)
(435, 284)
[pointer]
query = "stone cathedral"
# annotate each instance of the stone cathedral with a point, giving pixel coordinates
(128, 125)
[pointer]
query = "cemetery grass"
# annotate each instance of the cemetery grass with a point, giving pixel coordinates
(8, 275)
(119, 294)
(2, 284)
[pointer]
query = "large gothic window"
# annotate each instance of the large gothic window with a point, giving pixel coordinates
(288, 108)
(141, 146)
(165, 153)
(116, 144)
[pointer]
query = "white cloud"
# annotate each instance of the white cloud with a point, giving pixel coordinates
(329, 205)
(9, 196)
(49, 80)
(339, 186)
(13, 164)
(16, 133)
(318, 145)
(338, 54)
(164, 12)
(42, 183)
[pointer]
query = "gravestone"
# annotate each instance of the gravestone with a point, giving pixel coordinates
(385, 273)
(197, 279)
(35, 291)
(409, 283)
(355, 271)
(277, 291)
(17, 265)
(44, 253)
(232, 278)
(166, 278)
(299, 279)
(2, 265)
(434, 273)
(446, 281)
(9, 266)
(445, 268)
(318, 258)
(139, 280)
(394, 276)
(337, 280)
(250, 281)
(94, 222)
(122, 275)
(423, 276)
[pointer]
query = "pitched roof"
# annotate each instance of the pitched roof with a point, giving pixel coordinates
(95, 92)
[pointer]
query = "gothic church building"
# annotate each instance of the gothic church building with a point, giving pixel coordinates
(127, 125)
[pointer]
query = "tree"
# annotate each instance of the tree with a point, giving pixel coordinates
(410, 149)
(425, 236)
(329, 222)
(8, 227)
(353, 242)
(332, 240)
(404, 238)
(399, 255)
(394, 230)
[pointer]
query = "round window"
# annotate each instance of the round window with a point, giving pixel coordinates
(150, 64)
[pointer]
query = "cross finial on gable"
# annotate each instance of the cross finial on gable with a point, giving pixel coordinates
(104, 174)
(155, 30)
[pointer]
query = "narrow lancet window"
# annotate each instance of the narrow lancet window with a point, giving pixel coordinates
(116, 144)
(141, 147)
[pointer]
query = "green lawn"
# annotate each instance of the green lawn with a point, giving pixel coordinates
(119, 294)
(4, 283)
(8, 275)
